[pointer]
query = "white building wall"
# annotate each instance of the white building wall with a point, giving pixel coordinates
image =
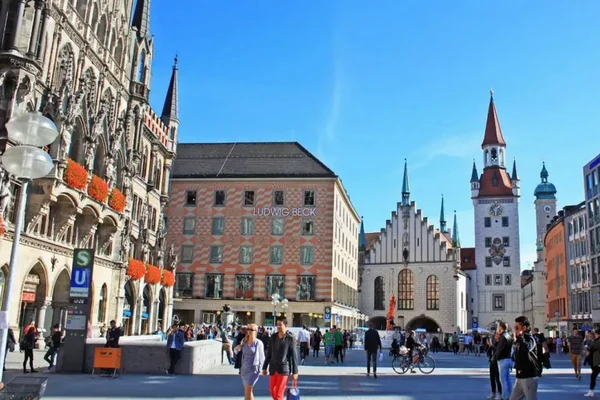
(510, 291)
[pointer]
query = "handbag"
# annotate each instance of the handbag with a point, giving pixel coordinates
(11, 346)
(293, 394)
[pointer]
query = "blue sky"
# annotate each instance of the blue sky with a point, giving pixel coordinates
(364, 86)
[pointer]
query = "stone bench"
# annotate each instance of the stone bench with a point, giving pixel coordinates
(126, 339)
(150, 356)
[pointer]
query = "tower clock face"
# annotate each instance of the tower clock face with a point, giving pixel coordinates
(547, 208)
(496, 209)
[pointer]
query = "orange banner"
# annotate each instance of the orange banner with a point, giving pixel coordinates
(107, 357)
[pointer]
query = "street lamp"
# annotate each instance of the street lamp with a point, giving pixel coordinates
(26, 161)
(276, 301)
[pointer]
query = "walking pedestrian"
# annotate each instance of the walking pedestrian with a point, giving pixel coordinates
(175, 342)
(253, 358)
(372, 348)
(575, 342)
(527, 362)
(496, 393)
(593, 353)
(56, 340)
(281, 361)
(27, 345)
(502, 356)
(304, 340)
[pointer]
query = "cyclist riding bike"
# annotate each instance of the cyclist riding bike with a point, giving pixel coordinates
(411, 344)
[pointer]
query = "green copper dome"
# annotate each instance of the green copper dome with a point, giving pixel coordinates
(545, 190)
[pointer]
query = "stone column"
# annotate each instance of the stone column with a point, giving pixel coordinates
(36, 29)
(154, 316)
(259, 318)
(42, 49)
(3, 15)
(40, 322)
(18, 25)
(169, 313)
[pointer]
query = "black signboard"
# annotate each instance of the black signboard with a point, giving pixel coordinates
(72, 352)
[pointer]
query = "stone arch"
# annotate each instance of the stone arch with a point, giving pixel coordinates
(379, 293)
(34, 292)
(129, 301)
(86, 226)
(61, 212)
(163, 300)
(423, 322)
(102, 305)
(379, 323)
(65, 63)
(60, 298)
(89, 77)
(107, 232)
(113, 39)
(102, 29)
(120, 166)
(486, 158)
(147, 308)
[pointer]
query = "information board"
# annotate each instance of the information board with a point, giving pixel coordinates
(72, 354)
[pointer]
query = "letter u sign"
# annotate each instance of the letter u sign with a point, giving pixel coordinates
(80, 277)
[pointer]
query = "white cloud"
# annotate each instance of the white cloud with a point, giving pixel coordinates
(458, 146)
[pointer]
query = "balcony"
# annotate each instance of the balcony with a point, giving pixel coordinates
(139, 90)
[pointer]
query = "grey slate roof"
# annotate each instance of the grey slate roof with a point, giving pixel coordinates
(247, 160)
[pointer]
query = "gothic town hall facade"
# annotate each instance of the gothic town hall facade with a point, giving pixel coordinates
(86, 64)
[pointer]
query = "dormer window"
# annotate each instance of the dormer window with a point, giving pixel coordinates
(495, 179)
(494, 154)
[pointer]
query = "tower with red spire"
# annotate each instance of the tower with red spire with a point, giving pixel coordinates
(495, 194)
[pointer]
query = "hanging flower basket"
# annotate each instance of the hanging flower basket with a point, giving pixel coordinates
(136, 269)
(98, 189)
(117, 200)
(152, 274)
(168, 279)
(75, 175)
(2, 227)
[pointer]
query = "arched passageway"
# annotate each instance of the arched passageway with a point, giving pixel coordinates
(423, 322)
(379, 323)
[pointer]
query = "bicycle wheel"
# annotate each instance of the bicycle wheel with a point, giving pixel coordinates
(426, 365)
(400, 364)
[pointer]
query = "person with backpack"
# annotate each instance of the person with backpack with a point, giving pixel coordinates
(527, 367)
(593, 354)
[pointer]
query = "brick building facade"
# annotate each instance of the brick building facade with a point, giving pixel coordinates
(250, 220)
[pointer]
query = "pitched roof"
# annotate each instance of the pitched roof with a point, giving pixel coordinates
(247, 160)
(495, 182)
(371, 239)
(467, 258)
(493, 132)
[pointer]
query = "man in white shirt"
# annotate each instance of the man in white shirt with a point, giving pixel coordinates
(304, 340)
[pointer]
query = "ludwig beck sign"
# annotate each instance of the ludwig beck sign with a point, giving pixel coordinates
(285, 212)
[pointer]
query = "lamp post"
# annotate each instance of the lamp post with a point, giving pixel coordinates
(276, 300)
(26, 161)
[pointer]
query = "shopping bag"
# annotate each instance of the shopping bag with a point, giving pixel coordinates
(380, 356)
(293, 394)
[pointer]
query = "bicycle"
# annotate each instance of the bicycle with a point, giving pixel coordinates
(402, 362)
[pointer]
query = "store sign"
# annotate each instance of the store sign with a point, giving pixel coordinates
(285, 212)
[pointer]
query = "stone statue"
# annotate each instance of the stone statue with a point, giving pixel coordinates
(65, 143)
(160, 258)
(111, 172)
(144, 216)
(172, 257)
(116, 139)
(90, 150)
(5, 195)
(126, 241)
(145, 253)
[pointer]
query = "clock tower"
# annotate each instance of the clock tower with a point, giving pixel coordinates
(545, 209)
(495, 194)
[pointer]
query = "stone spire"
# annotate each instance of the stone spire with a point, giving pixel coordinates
(514, 176)
(474, 174)
(362, 239)
(170, 110)
(493, 133)
(442, 217)
(141, 18)
(455, 235)
(405, 186)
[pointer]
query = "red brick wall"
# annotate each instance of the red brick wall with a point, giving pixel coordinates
(262, 239)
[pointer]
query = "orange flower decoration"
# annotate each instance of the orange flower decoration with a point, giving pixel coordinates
(168, 279)
(2, 227)
(136, 269)
(75, 175)
(117, 200)
(98, 189)
(152, 274)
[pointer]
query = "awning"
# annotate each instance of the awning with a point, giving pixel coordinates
(126, 314)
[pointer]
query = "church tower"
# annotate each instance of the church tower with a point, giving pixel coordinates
(545, 210)
(495, 196)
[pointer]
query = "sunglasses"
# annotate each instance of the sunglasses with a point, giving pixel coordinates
(251, 330)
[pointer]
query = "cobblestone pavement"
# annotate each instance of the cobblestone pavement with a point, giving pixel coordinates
(462, 377)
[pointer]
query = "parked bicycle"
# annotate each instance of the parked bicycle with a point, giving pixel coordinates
(402, 362)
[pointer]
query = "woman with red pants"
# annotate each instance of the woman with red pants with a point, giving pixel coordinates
(281, 361)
